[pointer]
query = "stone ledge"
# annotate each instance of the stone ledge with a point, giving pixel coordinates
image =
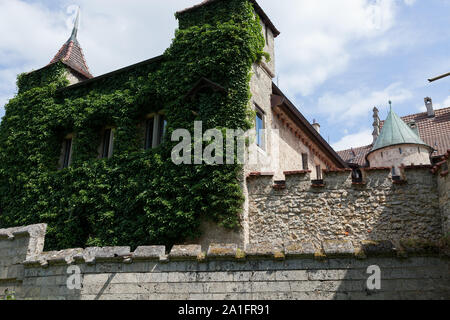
(298, 172)
(222, 251)
(93, 254)
(149, 253)
(338, 248)
(186, 252)
(265, 250)
(299, 249)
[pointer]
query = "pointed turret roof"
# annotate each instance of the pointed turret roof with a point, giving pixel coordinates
(71, 53)
(395, 131)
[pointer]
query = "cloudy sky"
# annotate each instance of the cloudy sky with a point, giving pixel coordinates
(335, 59)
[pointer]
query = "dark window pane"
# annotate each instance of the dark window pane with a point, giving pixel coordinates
(67, 149)
(318, 172)
(149, 133)
(162, 129)
(106, 141)
(259, 130)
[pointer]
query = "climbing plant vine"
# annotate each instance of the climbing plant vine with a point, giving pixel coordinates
(137, 197)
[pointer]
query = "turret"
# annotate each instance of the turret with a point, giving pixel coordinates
(398, 144)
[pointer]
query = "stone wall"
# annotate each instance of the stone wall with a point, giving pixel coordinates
(377, 209)
(295, 271)
(444, 192)
(398, 155)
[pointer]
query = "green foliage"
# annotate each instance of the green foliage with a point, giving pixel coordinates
(137, 197)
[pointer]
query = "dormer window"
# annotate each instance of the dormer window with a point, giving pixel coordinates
(66, 153)
(107, 144)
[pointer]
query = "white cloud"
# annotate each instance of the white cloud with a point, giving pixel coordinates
(359, 139)
(351, 106)
(320, 38)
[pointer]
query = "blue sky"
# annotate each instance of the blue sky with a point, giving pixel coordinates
(335, 59)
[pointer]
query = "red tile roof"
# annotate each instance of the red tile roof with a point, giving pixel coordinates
(434, 131)
(72, 55)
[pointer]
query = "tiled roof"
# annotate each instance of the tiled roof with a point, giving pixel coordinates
(256, 6)
(433, 131)
(72, 55)
(356, 155)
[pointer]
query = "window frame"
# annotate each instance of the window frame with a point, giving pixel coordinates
(158, 128)
(66, 152)
(260, 136)
(106, 150)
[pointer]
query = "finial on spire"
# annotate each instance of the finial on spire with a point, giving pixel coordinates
(390, 104)
(76, 25)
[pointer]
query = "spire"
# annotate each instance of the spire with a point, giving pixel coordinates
(76, 25)
(71, 53)
(395, 131)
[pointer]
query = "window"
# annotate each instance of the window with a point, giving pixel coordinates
(400, 150)
(155, 131)
(305, 161)
(162, 125)
(66, 153)
(149, 126)
(394, 172)
(260, 126)
(107, 143)
(319, 172)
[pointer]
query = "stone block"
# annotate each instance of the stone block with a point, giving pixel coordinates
(149, 253)
(337, 248)
(222, 251)
(186, 252)
(299, 249)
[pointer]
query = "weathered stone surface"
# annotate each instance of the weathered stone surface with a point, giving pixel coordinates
(186, 252)
(334, 248)
(266, 249)
(149, 252)
(378, 248)
(92, 254)
(340, 211)
(299, 248)
(222, 251)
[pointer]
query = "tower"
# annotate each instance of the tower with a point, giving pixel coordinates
(71, 55)
(398, 145)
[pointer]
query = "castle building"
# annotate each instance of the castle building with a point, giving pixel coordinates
(285, 141)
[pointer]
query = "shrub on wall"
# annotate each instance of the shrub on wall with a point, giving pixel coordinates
(138, 196)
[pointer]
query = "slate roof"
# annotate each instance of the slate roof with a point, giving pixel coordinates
(435, 132)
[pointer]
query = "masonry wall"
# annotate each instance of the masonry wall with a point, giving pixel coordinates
(377, 209)
(444, 193)
(294, 271)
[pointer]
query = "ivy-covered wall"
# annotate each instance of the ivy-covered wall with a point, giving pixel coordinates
(136, 197)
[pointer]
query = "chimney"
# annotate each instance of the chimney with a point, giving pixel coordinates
(376, 124)
(316, 126)
(429, 105)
